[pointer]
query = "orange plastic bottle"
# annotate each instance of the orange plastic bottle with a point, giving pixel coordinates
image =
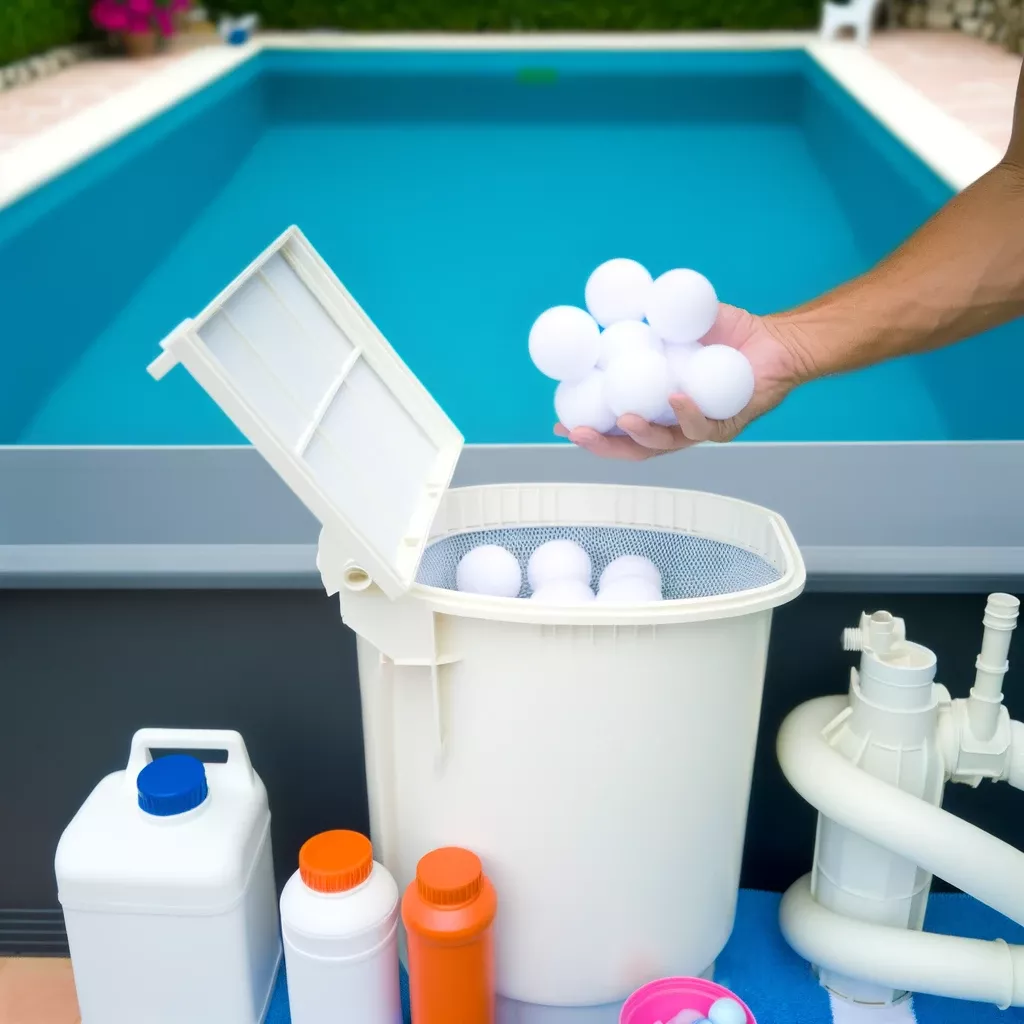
(449, 915)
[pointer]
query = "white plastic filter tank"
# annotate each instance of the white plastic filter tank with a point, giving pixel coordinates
(166, 880)
(339, 920)
(598, 758)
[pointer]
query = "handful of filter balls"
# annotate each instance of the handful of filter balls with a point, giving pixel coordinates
(648, 350)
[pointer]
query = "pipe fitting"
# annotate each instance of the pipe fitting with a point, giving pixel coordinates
(1001, 611)
(1015, 761)
(986, 697)
(969, 757)
(878, 632)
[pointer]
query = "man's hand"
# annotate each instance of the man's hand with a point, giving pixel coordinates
(774, 353)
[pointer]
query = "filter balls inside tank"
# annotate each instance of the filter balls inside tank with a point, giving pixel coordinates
(559, 572)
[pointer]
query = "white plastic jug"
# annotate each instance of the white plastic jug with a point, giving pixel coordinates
(166, 879)
(597, 757)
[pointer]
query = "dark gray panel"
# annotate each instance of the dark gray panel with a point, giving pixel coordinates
(82, 670)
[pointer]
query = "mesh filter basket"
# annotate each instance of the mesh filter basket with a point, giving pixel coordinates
(690, 566)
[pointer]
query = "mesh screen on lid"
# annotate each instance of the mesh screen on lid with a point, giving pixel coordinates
(690, 566)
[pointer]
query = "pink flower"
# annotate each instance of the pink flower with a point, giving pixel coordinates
(109, 16)
(163, 21)
(180, 5)
(141, 6)
(138, 24)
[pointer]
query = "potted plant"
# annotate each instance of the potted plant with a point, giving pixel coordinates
(139, 24)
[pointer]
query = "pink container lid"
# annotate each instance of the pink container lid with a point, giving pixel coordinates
(662, 1000)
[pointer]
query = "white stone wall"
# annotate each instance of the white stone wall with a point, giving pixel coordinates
(1000, 21)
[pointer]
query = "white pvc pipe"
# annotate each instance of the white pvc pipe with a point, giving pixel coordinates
(912, 961)
(974, 861)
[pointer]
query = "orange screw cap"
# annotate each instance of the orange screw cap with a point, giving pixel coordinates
(449, 877)
(335, 861)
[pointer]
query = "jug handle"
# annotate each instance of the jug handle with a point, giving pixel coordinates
(147, 740)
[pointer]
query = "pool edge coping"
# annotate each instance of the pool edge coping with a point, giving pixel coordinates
(944, 144)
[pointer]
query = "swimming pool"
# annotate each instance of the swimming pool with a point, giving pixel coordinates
(458, 191)
(458, 195)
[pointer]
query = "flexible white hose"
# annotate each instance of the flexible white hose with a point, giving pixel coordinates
(940, 965)
(943, 844)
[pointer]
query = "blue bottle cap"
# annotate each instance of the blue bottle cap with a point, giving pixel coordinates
(172, 785)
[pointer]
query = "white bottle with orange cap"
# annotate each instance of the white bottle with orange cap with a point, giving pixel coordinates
(339, 920)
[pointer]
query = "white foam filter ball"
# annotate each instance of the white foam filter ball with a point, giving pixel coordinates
(563, 592)
(667, 418)
(558, 560)
(639, 383)
(726, 1011)
(629, 590)
(625, 337)
(720, 380)
(565, 343)
(630, 566)
(489, 569)
(583, 404)
(618, 290)
(682, 306)
(679, 357)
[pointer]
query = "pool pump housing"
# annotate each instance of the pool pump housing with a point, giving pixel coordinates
(875, 764)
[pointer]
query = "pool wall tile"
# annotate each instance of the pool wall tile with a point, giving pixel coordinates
(73, 253)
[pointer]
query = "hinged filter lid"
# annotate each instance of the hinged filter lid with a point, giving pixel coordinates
(307, 377)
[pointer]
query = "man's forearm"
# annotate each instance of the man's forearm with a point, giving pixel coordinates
(960, 274)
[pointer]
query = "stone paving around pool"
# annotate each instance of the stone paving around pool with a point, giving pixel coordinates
(969, 79)
(29, 109)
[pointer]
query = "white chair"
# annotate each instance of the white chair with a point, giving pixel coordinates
(857, 14)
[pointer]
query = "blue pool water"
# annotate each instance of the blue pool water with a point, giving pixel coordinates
(457, 196)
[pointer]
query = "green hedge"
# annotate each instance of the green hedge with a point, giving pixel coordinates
(29, 27)
(498, 15)
(32, 26)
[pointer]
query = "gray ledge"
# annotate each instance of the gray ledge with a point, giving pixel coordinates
(890, 517)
